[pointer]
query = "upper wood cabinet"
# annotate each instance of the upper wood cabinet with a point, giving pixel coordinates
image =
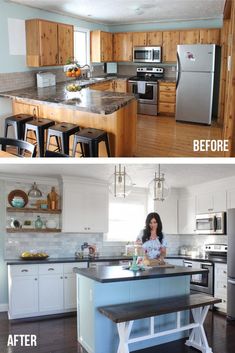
(189, 37)
(48, 43)
(139, 39)
(123, 45)
(101, 46)
(65, 42)
(170, 41)
(210, 36)
(154, 38)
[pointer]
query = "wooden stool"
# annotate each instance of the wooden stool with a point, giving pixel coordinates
(91, 138)
(18, 123)
(38, 126)
(62, 133)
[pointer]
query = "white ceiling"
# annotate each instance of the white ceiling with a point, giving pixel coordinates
(177, 175)
(132, 11)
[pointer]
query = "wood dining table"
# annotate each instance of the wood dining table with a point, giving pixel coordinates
(4, 154)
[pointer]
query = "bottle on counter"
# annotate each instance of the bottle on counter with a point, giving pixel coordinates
(52, 199)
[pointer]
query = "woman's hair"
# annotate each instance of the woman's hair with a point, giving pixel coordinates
(147, 230)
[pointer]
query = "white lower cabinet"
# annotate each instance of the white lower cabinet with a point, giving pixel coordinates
(220, 286)
(42, 289)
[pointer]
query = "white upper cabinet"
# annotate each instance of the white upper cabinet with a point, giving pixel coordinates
(85, 206)
(211, 202)
(231, 198)
(168, 213)
(186, 215)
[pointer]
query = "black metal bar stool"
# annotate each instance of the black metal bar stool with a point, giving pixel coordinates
(38, 126)
(18, 123)
(91, 138)
(62, 133)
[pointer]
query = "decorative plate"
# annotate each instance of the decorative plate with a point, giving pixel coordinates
(18, 193)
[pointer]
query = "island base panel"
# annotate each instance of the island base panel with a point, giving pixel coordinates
(98, 334)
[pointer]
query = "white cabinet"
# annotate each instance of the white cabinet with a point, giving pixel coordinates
(231, 198)
(211, 202)
(186, 215)
(24, 299)
(51, 293)
(176, 262)
(220, 286)
(168, 213)
(42, 289)
(85, 207)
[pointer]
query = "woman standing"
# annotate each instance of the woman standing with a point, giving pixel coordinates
(153, 241)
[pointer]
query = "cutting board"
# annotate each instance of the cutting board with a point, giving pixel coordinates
(163, 266)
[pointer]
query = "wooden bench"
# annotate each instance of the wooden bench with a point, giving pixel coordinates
(125, 314)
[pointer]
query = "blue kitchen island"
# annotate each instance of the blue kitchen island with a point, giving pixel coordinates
(107, 285)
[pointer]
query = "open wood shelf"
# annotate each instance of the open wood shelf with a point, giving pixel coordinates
(32, 210)
(32, 230)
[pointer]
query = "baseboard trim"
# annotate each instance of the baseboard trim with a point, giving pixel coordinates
(3, 307)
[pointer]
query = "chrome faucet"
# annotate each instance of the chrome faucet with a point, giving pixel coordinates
(89, 71)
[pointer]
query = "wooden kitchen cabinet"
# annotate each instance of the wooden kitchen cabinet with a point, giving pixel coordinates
(210, 36)
(170, 41)
(48, 43)
(102, 86)
(154, 38)
(139, 39)
(123, 46)
(85, 207)
(167, 98)
(101, 46)
(189, 37)
(119, 85)
(24, 108)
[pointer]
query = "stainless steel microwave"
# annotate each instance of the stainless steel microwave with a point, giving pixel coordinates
(147, 54)
(211, 223)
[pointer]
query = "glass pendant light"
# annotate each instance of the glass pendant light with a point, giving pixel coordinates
(34, 191)
(120, 184)
(158, 187)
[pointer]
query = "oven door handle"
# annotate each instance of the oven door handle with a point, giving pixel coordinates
(230, 281)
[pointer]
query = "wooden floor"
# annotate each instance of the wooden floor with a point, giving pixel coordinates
(162, 136)
(59, 336)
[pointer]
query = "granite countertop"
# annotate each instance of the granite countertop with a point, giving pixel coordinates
(105, 274)
(67, 260)
(87, 100)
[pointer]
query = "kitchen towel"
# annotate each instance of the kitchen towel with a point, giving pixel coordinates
(141, 87)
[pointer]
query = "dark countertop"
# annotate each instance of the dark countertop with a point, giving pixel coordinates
(199, 259)
(87, 100)
(105, 274)
(107, 258)
(67, 260)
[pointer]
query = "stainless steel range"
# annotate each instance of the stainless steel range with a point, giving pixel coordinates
(145, 85)
(203, 282)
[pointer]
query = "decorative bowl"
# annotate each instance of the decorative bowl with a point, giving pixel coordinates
(18, 198)
(18, 202)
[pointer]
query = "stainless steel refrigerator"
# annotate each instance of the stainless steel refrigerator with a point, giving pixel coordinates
(231, 263)
(197, 86)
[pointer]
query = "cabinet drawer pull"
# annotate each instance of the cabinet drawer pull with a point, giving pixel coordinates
(51, 269)
(24, 270)
(225, 272)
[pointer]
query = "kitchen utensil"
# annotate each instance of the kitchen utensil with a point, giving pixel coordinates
(18, 198)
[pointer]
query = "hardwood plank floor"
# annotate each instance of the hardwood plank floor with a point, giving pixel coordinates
(58, 335)
(162, 136)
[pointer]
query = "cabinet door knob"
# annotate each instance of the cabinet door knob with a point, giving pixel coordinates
(225, 272)
(35, 279)
(65, 277)
(61, 277)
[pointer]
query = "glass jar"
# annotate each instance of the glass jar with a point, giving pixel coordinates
(38, 223)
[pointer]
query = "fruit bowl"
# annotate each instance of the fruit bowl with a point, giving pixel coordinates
(73, 88)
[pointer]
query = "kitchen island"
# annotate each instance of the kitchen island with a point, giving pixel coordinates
(113, 112)
(115, 285)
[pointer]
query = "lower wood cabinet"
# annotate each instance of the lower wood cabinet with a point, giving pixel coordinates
(44, 289)
(220, 286)
(167, 97)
